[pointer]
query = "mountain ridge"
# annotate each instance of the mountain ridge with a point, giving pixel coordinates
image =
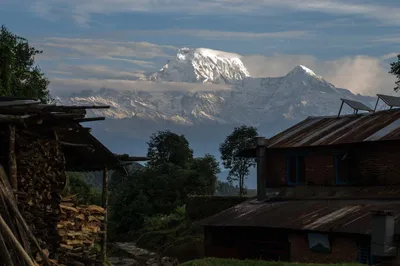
(206, 117)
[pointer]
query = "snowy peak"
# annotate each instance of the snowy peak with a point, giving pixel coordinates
(301, 70)
(202, 65)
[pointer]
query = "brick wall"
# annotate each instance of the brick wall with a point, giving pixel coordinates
(375, 164)
(342, 250)
(319, 168)
(379, 164)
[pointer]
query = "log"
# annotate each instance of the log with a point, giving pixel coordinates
(8, 233)
(4, 254)
(89, 119)
(12, 161)
(5, 189)
(103, 254)
(69, 144)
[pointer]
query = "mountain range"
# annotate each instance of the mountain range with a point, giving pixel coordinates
(224, 96)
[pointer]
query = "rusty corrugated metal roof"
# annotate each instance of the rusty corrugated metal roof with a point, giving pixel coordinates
(321, 131)
(351, 216)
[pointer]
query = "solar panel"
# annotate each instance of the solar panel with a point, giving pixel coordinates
(392, 101)
(358, 106)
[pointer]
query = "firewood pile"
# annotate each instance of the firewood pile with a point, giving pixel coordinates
(79, 228)
(16, 234)
(41, 178)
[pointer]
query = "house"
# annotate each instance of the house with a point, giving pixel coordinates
(39, 143)
(328, 190)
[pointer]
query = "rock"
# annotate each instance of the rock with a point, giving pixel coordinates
(122, 261)
(132, 249)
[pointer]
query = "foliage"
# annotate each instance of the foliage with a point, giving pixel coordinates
(162, 185)
(200, 207)
(19, 76)
(167, 147)
(395, 70)
(85, 193)
(240, 138)
(163, 233)
(233, 262)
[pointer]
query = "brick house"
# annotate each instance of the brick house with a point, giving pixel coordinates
(318, 184)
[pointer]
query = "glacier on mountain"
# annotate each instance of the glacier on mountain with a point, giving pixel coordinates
(202, 66)
(253, 101)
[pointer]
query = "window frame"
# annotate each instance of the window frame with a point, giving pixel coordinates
(288, 170)
(338, 162)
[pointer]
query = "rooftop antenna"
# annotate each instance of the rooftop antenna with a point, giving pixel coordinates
(356, 106)
(390, 101)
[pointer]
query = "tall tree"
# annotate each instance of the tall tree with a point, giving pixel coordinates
(205, 170)
(240, 138)
(167, 147)
(395, 70)
(19, 76)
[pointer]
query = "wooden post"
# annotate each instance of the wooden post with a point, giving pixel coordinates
(105, 206)
(12, 159)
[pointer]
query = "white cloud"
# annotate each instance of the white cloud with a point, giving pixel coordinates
(390, 56)
(218, 35)
(60, 86)
(81, 10)
(97, 72)
(137, 53)
(360, 74)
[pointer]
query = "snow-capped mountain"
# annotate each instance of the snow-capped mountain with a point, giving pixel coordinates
(202, 66)
(254, 101)
(270, 104)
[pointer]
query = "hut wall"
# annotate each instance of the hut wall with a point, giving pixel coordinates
(366, 164)
(247, 243)
(343, 250)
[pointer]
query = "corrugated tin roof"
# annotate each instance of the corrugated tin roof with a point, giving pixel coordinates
(341, 216)
(322, 131)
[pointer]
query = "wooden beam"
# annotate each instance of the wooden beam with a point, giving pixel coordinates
(77, 107)
(18, 103)
(69, 144)
(89, 119)
(12, 159)
(14, 119)
(105, 206)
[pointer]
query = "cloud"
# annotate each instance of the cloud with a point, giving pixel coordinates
(360, 74)
(97, 72)
(81, 10)
(390, 56)
(64, 86)
(101, 49)
(220, 35)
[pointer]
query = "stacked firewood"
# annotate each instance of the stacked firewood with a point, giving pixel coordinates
(79, 229)
(41, 178)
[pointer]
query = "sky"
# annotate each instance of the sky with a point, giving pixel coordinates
(90, 43)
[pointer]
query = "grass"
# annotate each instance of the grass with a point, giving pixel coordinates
(232, 262)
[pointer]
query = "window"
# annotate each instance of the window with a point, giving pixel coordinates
(319, 243)
(296, 170)
(341, 169)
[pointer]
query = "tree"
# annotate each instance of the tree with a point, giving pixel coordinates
(395, 70)
(240, 138)
(76, 185)
(168, 147)
(161, 186)
(205, 169)
(19, 76)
